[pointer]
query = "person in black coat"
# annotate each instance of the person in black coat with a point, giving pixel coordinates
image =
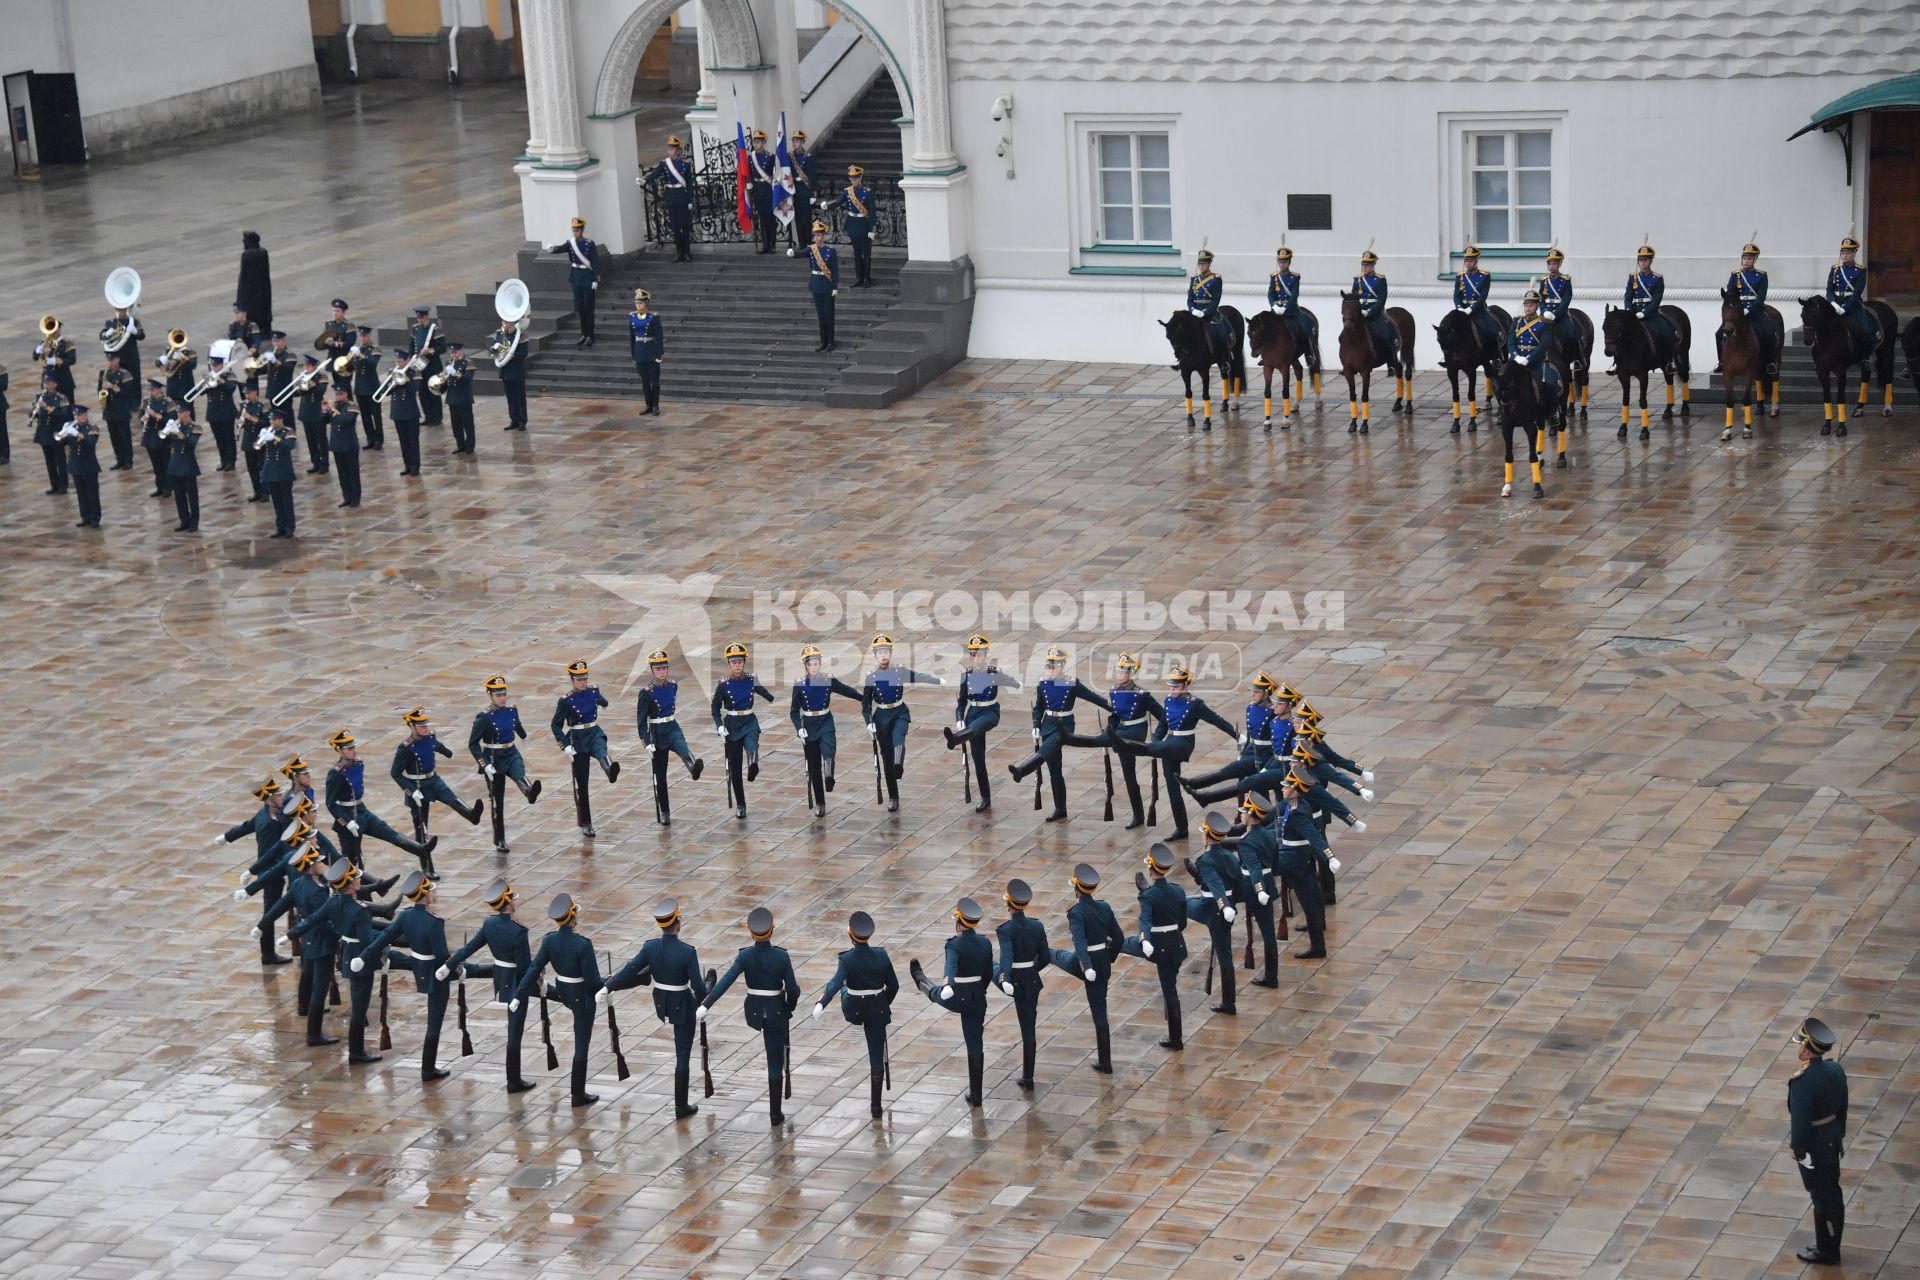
(964, 988)
(82, 439)
(403, 402)
(276, 470)
(183, 469)
(459, 397)
(313, 414)
(366, 380)
(866, 985)
(255, 290)
(344, 442)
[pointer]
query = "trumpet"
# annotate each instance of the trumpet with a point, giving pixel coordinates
(176, 351)
(49, 327)
(439, 382)
(260, 362)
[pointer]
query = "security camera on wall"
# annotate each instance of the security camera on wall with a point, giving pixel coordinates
(1003, 107)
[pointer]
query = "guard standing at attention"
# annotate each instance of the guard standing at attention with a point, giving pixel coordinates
(1023, 954)
(492, 745)
(576, 727)
(510, 956)
(648, 340)
(811, 712)
(1163, 936)
(883, 705)
(425, 952)
(1053, 702)
(1817, 1108)
(672, 968)
(345, 796)
(760, 190)
(1097, 939)
(416, 772)
(772, 994)
(576, 983)
(656, 709)
(344, 441)
(583, 276)
(857, 202)
(977, 711)
(866, 985)
(964, 991)
(459, 396)
(823, 283)
(739, 728)
(800, 165)
(675, 177)
(276, 470)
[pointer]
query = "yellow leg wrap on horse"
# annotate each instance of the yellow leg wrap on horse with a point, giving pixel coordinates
(1669, 395)
(1729, 417)
(1366, 411)
(1456, 411)
(1643, 419)
(1286, 408)
(1776, 394)
(1748, 411)
(1316, 383)
(1536, 473)
(1583, 397)
(1561, 436)
(1686, 392)
(1473, 408)
(1207, 408)
(1863, 393)
(1353, 410)
(1843, 411)
(1626, 415)
(1886, 395)
(1269, 406)
(1189, 406)
(1540, 441)
(1827, 409)
(1509, 473)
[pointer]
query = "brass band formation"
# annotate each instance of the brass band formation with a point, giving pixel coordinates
(1263, 855)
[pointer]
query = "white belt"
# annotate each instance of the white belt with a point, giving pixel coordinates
(1059, 713)
(497, 746)
(661, 719)
(417, 777)
(889, 706)
(983, 702)
(1196, 311)
(353, 803)
(1163, 928)
(575, 728)
(561, 977)
(867, 991)
(1180, 733)
(669, 986)
(504, 964)
(411, 955)
(975, 978)
(730, 711)
(1096, 946)
(824, 711)
(776, 993)
(1127, 724)
(1024, 964)
(1295, 844)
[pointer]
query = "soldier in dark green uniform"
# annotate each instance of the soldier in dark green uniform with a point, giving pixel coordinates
(82, 440)
(276, 471)
(672, 969)
(1023, 954)
(964, 991)
(422, 939)
(1097, 939)
(1817, 1106)
(344, 442)
(866, 985)
(576, 978)
(772, 993)
(183, 469)
(509, 956)
(1163, 936)
(342, 927)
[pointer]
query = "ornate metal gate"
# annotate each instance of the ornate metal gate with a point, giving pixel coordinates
(715, 221)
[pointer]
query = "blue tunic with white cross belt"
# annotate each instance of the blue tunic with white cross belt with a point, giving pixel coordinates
(414, 763)
(1053, 704)
(979, 699)
(858, 203)
(492, 740)
(1256, 741)
(1133, 709)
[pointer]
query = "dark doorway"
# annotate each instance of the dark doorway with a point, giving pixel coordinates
(1893, 203)
(57, 135)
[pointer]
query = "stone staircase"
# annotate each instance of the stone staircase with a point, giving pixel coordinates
(1799, 384)
(866, 135)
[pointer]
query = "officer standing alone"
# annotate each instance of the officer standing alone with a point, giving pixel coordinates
(1817, 1107)
(647, 336)
(823, 283)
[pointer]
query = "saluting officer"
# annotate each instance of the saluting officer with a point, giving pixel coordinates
(772, 993)
(647, 338)
(760, 190)
(583, 276)
(1133, 709)
(491, 743)
(404, 401)
(672, 968)
(1163, 935)
(346, 800)
(675, 177)
(1283, 299)
(82, 441)
(183, 468)
(1645, 288)
(1053, 702)
(656, 710)
(1472, 287)
(416, 772)
(737, 725)
(811, 712)
(344, 441)
(964, 990)
(576, 727)
(823, 283)
(1846, 292)
(977, 710)
(800, 162)
(1097, 939)
(883, 705)
(1023, 954)
(122, 397)
(866, 985)
(276, 470)
(1223, 882)
(312, 413)
(858, 204)
(424, 951)
(459, 375)
(510, 956)
(1817, 1108)
(1556, 307)
(343, 927)
(576, 978)
(1173, 743)
(425, 339)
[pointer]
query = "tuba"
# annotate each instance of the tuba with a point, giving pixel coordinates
(511, 302)
(123, 291)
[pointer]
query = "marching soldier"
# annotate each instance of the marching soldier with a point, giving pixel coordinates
(1556, 307)
(1204, 292)
(286, 883)
(1097, 939)
(576, 976)
(812, 715)
(583, 276)
(1471, 289)
(56, 356)
(343, 927)
(417, 774)
(253, 428)
(866, 985)
(270, 857)
(492, 746)
(344, 441)
(404, 401)
(119, 397)
(760, 190)
(424, 936)
(336, 338)
(823, 283)
(737, 725)
(276, 471)
(656, 708)
(513, 374)
(969, 966)
(772, 993)
(1053, 702)
(1256, 747)
(425, 340)
(675, 177)
(154, 412)
(1283, 299)
(1370, 291)
(1817, 1108)
(82, 441)
(346, 800)
(1163, 936)
(801, 161)
(1320, 803)
(1846, 293)
(1645, 288)
(647, 338)
(1223, 882)
(264, 824)
(1172, 744)
(312, 413)
(977, 710)
(307, 894)
(509, 955)
(857, 203)
(576, 727)
(49, 415)
(883, 706)
(1301, 852)
(1023, 954)
(459, 397)
(672, 968)
(183, 469)
(1133, 708)
(223, 408)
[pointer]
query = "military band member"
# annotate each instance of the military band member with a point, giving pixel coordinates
(1053, 701)
(656, 712)
(1223, 883)
(1283, 299)
(1370, 292)
(221, 399)
(56, 355)
(1134, 709)
(422, 947)
(883, 706)
(281, 366)
(811, 712)
(866, 985)
(459, 397)
(760, 175)
(1556, 308)
(576, 978)
(857, 203)
(800, 165)
(1023, 955)
(403, 401)
(513, 375)
(252, 427)
(312, 413)
(492, 744)
(823, 283)
(81, 439)
(772, 994)
(1846, 293)
(1163, 936)
(977, 711)
(49, 415)
(154, 412)
(1097, 939)
(424, 339)
(1472, 288)
(576, 727)
(119, 393)
(737, 725)
(1204, 293)
(416, 772)
(366, 381)
(509, 956)
(344, 442)
(246, 334)
(1817, 1110)
(583, 275)
(344, 925)
(353, 821)
(672, 969)
(183, 468)
(129, 350)
(1173, 740)
(964, 990)
(1256, 747)
(307, 894)
(675, 177)
(647, 340)
(335, 340)
(1643, 294)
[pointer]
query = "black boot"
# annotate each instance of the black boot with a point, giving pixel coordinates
(613, 772)
(429, 1068)
(1271, 976)
(473, 811)
(681, 1107)
(699, 765)
(919, 977)
(1022, 768)
(1316, 945)
(986, 796)
(581, 1097)
(515, 1082)
(1103, 1052)
(1173, 1040)
(1026, 1065)
(1823, 1252)
(873, 1096)
(976, 1067)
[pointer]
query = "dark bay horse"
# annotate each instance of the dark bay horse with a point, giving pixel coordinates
(1744, 360)
(1462, 351)
(1634, 356)
(1275, 347)
(1359, 355)
(1193, 353)
(1522, 407)
(1834, 351)
(1577, 371)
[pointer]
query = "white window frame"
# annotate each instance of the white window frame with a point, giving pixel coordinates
(1458, 131)
(1083, 192)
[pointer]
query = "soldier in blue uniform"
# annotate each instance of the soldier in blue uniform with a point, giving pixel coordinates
(675, 177)
(223, 409)
(672, 969)
(737, 725)
(811, 712)
(426, 339)
(576, 983)
(49, 414)
(1163, 936)
(276, 469)
(312, 413)
(1256, 747)
(866, 985)
(1556, 307)
(183, 469)
(1133, 710)
(883, 705)
(1283, 299)
(800, 164)
(1472, 288)
(1299, 858)
(1644, 291)
(422, 939)
(760, 190)
(1023, 956)
(513, 374)
(1817, 1109)
(576, 727)
(964, 990)
(583, 276)
(772, 994)
(509, 956)
(492, 744)
(403, 400)
(1257, 846)
(856, 202)
(647, 338)
(656, 709)
(1847, 293)
(82, 441)
(1097, 939)
(1173, 740)
(823, 283)
(1528, 345)
(343, 928)
(416, 772)
(352, 819)
(1223, 883)
(1204, 293)
(1370, 291)
(977, 711)
(252, 424)
(366, 381)
(1748, 286)
(459, 396)
(1054, 698)
(154, 412)
(344, 441)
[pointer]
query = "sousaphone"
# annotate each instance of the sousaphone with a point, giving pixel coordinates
(511, 302)
(123, 291)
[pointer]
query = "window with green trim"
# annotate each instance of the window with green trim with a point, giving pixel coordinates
(1510, 186)
(1133, 188)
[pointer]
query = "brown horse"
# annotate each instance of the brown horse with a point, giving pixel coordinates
(1744, 359)
(1575, 371)
(1359, 355)
(1276, 347)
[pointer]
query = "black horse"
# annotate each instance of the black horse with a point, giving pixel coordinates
(1193, 353)
(1524, 408)
(1576, 366)
(1463, 349)
(1835, 349)
(1635, 356)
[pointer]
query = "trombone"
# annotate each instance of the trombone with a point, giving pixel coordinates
(402, 371)
(302, 382)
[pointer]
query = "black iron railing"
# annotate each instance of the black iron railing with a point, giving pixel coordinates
(715, 220)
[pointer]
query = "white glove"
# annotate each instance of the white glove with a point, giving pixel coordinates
(493, 773)
(818, 1010)
(1243, 742)
(1366, 793)
(872, 729)
(1839, 311)
(570, 751)
(939, 680)
(418, 797)
(1333, 863)
(721, 730)
(354, 826)
(1806, 1161)
(649, 750)
(1226, 909)
(357, 964)
(959, 726)
(440, 974)
(261, 441)
(1006, 986)
(1464, 310)
(1036, 735)
(1264, 896)
(1360, 824)
(513, 1005)
(600, 996)
(1366, 775)
(219, 840)
(1146, 946)
(1092, 976)
(946, 992)
(803, 734)
(239, 895)
(700, 1014)
(254, 933)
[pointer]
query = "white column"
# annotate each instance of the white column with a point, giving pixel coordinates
(704, 41)
(559, 87)
(927, 64)
(535, 75)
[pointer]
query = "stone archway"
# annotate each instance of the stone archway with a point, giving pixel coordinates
(732, 29)
(889, 57)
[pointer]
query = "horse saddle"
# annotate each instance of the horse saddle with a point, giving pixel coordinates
(1864, 340)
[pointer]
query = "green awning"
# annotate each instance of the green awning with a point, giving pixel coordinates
(1901, 91)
